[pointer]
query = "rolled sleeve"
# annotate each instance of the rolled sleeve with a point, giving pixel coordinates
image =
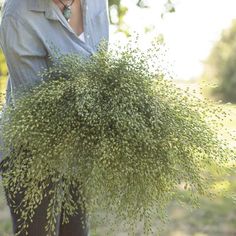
(24, 53)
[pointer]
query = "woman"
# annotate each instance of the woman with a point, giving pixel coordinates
(30, 30)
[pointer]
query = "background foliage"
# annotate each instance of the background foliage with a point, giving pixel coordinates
(121, 10)
(220, 69)
(3, 76)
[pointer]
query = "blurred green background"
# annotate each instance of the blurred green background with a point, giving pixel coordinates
(216, 80)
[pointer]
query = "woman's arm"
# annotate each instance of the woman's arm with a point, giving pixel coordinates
(24, 53)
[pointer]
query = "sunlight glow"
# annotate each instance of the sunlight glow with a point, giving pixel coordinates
(189, 32)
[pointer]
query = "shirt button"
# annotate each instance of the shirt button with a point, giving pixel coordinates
(86, 7)
(88, 36)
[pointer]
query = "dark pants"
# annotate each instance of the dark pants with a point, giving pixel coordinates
(37, 227)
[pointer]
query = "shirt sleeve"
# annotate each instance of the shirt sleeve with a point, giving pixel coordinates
(24, 52)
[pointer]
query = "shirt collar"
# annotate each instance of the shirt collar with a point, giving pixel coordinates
(38, 5)
(45, 6)
(41, 5)
(48, 7)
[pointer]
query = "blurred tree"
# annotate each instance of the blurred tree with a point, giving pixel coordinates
(220, 69)
(121, 10)
(169, 7)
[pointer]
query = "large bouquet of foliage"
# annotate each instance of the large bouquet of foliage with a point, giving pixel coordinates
(117, 130)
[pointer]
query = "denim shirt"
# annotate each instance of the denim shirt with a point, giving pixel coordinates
(28, 30)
